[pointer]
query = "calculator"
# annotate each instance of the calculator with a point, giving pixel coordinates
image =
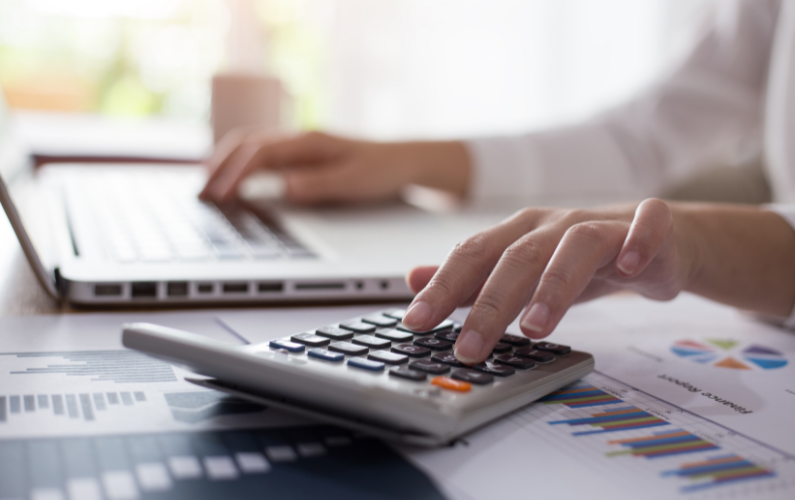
(373, 374)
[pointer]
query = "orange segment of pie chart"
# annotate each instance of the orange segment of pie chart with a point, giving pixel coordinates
(732, 363)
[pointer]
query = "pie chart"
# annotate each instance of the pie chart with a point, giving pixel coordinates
(731, 354)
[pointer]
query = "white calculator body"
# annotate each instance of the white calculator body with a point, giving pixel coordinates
(373, 374)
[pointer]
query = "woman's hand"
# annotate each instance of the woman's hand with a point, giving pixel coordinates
(546, 260)
(321, 168)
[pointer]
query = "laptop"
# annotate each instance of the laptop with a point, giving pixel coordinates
(118, 234)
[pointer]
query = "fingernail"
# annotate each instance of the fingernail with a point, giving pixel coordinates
(536, 318)
(628, 262)
(418, 314)
(469, 347)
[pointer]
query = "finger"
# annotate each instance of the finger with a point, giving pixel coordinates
(507, 290)
(305, 149)
(226, 147)
(465, 268)
(651, 227)
(584, 248)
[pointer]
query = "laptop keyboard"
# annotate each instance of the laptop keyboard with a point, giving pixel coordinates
(157, 218)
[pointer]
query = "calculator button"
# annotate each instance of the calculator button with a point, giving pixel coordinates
(347, 348)
(366, 364)
(325, 355)
(387, 357)
(380, 320)
(429, 367)
(414, 351)
(560, 350)
(511, 360)
(358, 327)
(447, 358)
(534, 354)
(395, 314)
(334, 333)
(515, 340)
(407, 374)
(287, 345)
(310, 339)
(393, 335)
(371, 342)
(457, 327)
(444, 325)
(494, 369)
(501, 348)
(447, 335)
(434, 344)
(450, 384)
(473, 377)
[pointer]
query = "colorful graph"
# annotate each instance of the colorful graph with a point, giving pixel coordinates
(718, 471)
(662, 444)
(667, 443)
(730, 354)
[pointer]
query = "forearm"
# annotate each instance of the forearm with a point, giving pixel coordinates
(739, 255)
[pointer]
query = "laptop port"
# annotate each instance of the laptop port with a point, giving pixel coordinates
(204, 288)
(270, 287)
(178, 289)
(235, 287)
(144, 290)
(107, 290)
(320, 286)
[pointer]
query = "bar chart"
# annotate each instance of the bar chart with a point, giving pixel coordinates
(118, 366)
(189, 407)
(298, 463)
(626, 430)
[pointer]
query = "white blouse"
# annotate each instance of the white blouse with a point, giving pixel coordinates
(731, 99)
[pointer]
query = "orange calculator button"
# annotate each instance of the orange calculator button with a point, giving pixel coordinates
(453, 385)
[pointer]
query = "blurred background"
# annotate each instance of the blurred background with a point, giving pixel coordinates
(374, 68)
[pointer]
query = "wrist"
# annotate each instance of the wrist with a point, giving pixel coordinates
(443, 165)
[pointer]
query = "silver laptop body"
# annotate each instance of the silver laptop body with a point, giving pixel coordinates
(136, 234)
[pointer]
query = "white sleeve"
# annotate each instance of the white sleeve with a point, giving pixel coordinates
(708, 111)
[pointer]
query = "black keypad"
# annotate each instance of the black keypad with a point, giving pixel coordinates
(495, 369)
(457, 327)
(413, 351)
(310, 339)
(511, 360)
(358, 327)
(444, 325)
(447, 335)
(380, 320)
(348, 348)
(447, 358)
(434, 344)
(390, 358)
(407, 374)
(430, 367)
(393, 335)
(534, 354)
(473, 377)
(395, 314)
(557, 349)
(515, 340)
(501, 348)
(334, 333)
(371, 341)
